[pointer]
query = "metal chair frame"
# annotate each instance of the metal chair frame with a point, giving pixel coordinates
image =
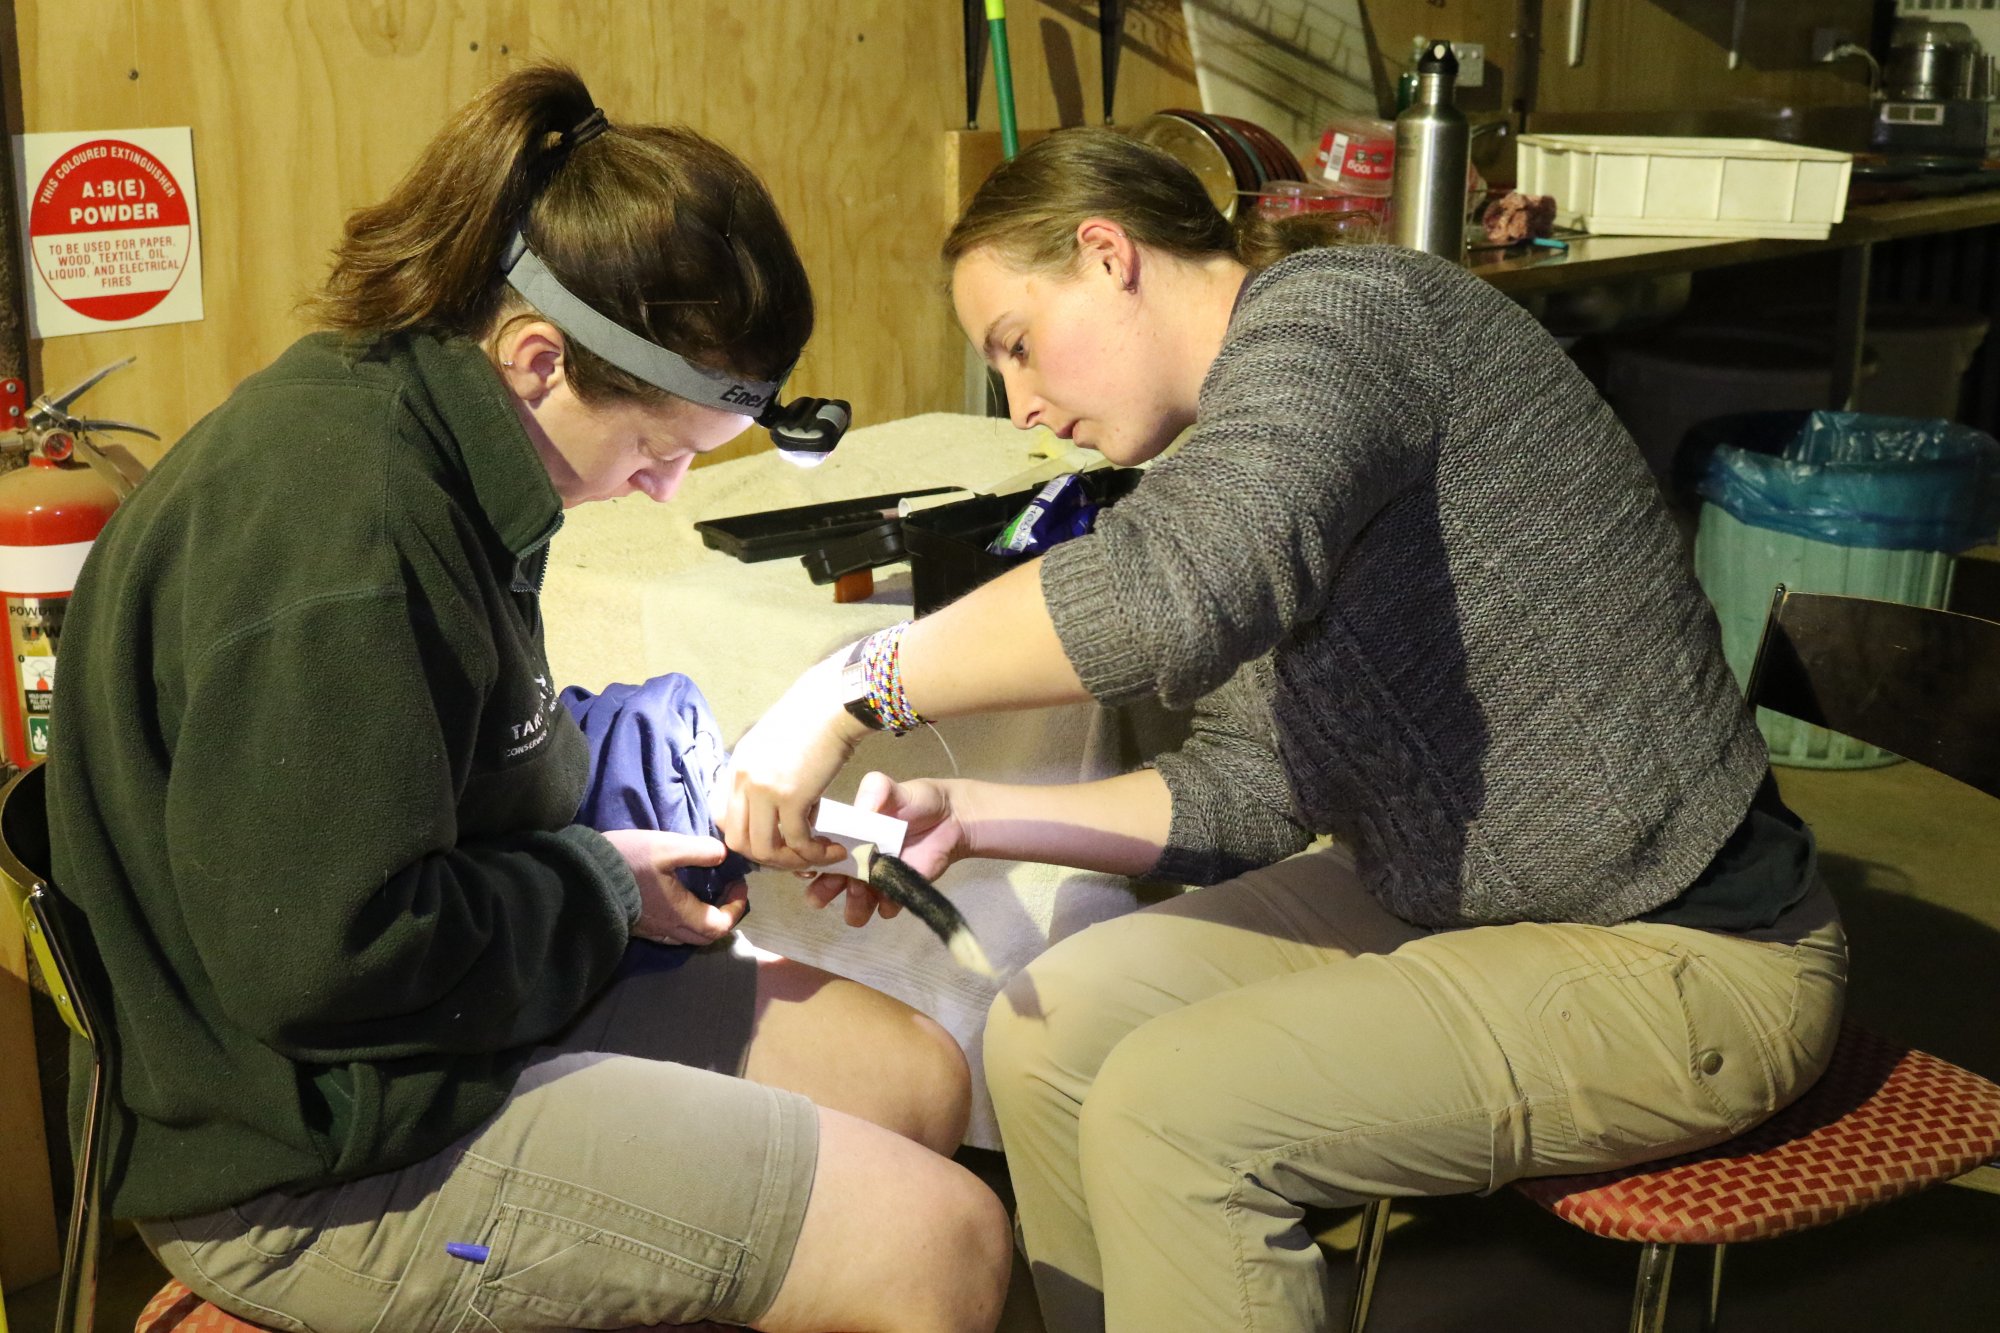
(24, 847)
(1922, 689)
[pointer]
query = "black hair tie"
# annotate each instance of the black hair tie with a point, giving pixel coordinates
(584, 131)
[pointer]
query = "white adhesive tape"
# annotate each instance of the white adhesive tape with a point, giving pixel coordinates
(850, 826)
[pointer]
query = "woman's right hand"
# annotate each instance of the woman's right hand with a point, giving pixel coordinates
(783, 765)
(936, 839)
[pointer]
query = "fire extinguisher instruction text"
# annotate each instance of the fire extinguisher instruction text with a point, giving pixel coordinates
(112, 229)
(34, 625)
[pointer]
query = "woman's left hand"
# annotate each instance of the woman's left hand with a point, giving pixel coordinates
(781, 768)
(668, 913)
(937, 837)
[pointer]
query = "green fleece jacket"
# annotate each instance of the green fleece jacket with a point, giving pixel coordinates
(310, 786)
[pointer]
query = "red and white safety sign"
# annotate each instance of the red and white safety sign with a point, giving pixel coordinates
(113, 232)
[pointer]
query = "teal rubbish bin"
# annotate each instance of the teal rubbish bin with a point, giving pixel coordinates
(1833, 502)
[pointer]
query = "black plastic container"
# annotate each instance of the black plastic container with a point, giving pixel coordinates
(774, 534)
(947, 545)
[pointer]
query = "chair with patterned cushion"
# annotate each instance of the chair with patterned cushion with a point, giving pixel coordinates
(175, 1309)
(67, 967)
(24, 860)
(1883, 1120)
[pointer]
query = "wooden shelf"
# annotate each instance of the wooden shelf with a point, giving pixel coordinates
(971, 155)
(1593, 259)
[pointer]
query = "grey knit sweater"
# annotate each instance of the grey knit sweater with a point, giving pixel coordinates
(1426, 596)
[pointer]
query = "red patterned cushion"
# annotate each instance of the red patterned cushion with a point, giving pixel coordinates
(1883, 1121)
(175, 1309)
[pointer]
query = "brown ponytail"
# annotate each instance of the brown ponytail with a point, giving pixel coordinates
(660, 229)
(1029, 209)
(1262, 242)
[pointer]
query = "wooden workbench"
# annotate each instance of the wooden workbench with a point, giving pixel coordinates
(1601, 259)
(1593, 259)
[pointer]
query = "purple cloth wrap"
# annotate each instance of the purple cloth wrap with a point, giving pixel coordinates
(656, 760)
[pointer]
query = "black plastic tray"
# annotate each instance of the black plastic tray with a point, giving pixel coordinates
(947, 545)
(774, 534)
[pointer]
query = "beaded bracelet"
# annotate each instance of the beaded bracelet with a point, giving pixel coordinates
(884, 670)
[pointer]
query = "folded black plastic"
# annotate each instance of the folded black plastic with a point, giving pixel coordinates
(775, 534)
(870, 548)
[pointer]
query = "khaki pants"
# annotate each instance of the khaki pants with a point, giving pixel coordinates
(1175, 1086)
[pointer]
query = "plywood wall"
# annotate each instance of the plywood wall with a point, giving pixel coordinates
(305, 109)
(1669, 55)
(1638, 56)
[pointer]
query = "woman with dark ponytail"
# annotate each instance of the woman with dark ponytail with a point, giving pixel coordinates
(1418, 589)
(397, 1043)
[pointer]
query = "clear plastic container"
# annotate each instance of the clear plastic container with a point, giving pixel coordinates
(1357, 155)
(1375, 206)
(1354, 218)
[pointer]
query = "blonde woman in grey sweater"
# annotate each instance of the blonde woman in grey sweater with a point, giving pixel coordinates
(1417, 587)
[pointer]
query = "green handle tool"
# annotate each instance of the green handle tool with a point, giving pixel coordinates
(1003, 78)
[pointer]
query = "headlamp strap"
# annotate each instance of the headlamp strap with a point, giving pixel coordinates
(637, 356)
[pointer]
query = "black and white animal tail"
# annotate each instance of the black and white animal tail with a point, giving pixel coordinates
(892, 877)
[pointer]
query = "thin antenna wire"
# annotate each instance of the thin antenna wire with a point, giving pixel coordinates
(947, 748)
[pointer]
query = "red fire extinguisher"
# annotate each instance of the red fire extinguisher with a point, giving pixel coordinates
(59, 493)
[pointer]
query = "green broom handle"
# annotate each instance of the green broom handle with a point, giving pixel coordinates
(1003, 78)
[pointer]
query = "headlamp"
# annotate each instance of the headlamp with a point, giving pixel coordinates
(805, 429)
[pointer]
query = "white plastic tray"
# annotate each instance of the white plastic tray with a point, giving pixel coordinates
(1647, 185)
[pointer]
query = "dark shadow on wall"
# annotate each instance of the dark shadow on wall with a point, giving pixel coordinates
(1155, 31)
(1919, 973)
(1059, 54)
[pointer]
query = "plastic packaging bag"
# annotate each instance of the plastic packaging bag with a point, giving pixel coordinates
(1060, 510)
(1892, 483)
(1357, 155)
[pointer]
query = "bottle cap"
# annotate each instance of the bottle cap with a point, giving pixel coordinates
(1438, 59)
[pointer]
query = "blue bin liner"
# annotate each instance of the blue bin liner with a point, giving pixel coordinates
(1891, 483)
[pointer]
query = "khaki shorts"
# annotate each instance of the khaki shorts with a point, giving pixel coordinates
(630, 1179)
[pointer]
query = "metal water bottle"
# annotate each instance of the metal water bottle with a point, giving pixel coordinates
(1428, 207)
